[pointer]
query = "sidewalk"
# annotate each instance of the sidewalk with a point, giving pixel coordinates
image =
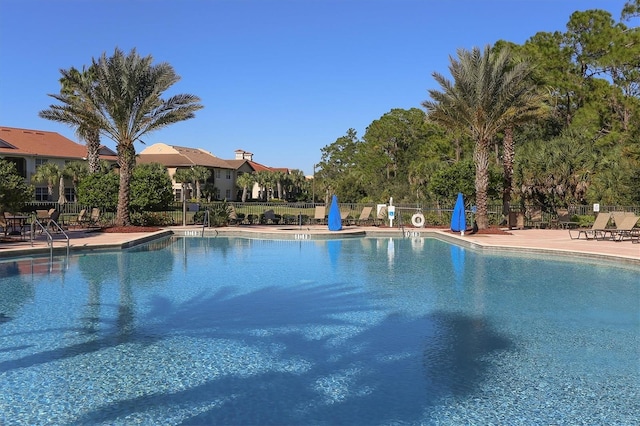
(544, 241)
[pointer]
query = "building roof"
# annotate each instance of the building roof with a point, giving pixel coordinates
(180, 156)
(260, 167)
(15, 142)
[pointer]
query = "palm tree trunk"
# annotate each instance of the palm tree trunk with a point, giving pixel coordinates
(481, 158)
(93, 150)
(507, 164)
(61, 198)
(126, 161)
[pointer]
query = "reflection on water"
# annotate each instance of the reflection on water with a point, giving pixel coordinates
(356, 331)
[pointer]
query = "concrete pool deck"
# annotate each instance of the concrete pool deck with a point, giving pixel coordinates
(543, 241)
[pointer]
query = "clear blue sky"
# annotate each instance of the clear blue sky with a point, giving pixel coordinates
(278, 78)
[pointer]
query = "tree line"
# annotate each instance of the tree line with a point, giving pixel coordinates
(550, 123)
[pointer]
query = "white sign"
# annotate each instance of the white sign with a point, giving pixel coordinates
(596, 207)
(391, 211)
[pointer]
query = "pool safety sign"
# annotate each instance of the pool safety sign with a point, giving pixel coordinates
(391, 212)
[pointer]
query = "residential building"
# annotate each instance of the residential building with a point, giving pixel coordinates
(242, 156)
(28, 149)
(173, 157)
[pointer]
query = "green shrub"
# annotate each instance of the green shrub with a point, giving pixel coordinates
(584, 221)
(151, 219)
(218, 214)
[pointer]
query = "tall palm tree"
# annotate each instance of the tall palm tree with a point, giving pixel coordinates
(199, 174)
(485, 97)
(529, 104)
(263, 179)
(124, 101)
(278, 178)
(298, 181)
(90, 134)
(183, 176)
(49, 173)
(245, 181)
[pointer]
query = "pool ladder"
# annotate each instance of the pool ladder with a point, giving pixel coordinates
(205, 221)
(36, 223)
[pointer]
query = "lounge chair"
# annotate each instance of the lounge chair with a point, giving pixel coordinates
(536, 219)
(344, 217)
(564, 220)
(81, 220)
(626, 228)
(320, 216)
(598, 227)
(382, 215)
(365, 216)
(270, 217)
(3, 224)
(94, 219)
(619, 216)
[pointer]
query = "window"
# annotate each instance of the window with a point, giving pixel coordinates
(227, 194)
(70, 194)
(228, 174)
(177, 194)
(42, 193)
(218, 173)
(41, 161)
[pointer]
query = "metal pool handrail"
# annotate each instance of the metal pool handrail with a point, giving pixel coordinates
(49, 236)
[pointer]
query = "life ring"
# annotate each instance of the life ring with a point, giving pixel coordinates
(417, 220)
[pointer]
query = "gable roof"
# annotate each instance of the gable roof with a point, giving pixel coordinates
(260, 167)
(39, 143)
(180, 156)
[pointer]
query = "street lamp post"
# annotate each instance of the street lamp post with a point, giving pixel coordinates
(313, 185)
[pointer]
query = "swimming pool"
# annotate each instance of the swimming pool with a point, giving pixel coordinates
(360, 331)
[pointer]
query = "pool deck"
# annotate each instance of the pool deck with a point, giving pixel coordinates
(543, 241)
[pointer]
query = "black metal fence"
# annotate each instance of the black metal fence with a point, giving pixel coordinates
(293, 213)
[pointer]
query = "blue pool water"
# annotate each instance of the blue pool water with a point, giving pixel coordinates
(335, 332)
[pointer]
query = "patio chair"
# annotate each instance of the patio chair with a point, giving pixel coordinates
(234, 218)
(626, 228)
(43, 215)
(81, 220)
(52, 223)
(599, 226)
(320, 216)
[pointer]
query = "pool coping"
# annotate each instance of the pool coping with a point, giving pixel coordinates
(543, 242)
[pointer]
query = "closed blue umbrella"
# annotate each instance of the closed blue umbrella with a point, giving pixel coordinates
(458, 222)
(335, 221)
